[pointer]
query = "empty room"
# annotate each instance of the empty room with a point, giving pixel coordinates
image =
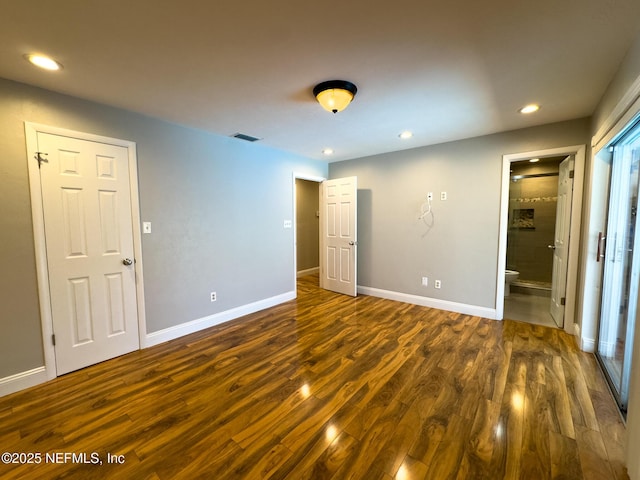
(293, 241)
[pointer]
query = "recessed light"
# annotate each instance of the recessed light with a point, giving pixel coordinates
(327, 151)
(43, 61)
(532, 107)
(406, 134)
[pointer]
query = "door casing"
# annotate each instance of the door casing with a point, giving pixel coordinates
(574, 240)
(31, 131)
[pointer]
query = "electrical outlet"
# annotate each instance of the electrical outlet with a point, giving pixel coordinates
(443, 195)
(437, 284)
(214, 296)
(425, 281)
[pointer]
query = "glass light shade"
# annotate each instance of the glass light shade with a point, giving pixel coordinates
(334, 99)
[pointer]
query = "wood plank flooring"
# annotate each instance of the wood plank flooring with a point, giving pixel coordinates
(328, 387)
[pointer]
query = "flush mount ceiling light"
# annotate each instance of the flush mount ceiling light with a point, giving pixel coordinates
(43, 61)
(327, 151)
(532, 107)
(335, 95)
(406, 134)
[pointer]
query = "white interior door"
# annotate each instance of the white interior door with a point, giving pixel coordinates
(561, 241)
(89, 245)
(338, 235)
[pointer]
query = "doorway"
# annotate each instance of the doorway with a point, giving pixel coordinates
(524, 219)
(337, 217)
(306, 214)
(307, 227)
(534, 241)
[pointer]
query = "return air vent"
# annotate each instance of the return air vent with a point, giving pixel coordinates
(248, 138)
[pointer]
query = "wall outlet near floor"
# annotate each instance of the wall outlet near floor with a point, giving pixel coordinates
(425, 281)
(214, 296)
(437, 284)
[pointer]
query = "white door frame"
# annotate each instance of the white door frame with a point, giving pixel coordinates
(37, 214)
(574, 240)
(311, 178)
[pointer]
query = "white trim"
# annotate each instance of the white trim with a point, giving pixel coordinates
(37, 218)
(308, 271)
(171, 333)
(574, 230)
(430, 302)
(22, 380)
(37, 214)
(622, 114)
(585, 344)
(588, 345)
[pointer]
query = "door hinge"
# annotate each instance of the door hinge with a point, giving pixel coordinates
(39, 157)
(53, 339)
(563, 301)
(571, 173)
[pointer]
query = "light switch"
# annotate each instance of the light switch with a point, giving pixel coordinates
(146, 227)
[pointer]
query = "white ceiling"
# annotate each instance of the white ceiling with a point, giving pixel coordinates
(444, 69)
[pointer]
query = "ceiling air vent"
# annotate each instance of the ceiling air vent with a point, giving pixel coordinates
(248, 138)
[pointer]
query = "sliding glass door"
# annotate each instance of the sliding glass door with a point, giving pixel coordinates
(619, 250)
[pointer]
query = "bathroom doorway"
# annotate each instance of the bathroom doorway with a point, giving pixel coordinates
(531, 241)
(538, 249)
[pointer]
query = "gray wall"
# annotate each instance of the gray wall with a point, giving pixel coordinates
(395, 249)
(625, 76)
(216, 204)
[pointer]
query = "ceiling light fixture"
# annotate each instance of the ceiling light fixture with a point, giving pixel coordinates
(406, 134)
(534, 160)
(335, 95)
(532, 107)
(327, 151)
(43, 61)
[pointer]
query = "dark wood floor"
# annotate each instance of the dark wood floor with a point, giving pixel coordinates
(330, 387)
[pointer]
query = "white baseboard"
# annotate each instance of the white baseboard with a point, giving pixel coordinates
(585, 344)
(171, 333)
(308, 271)
(22, 380)
(430, 302)
(588, 345)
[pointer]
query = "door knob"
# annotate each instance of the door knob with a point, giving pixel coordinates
(127, 262)
(353, 243)
(551, 247)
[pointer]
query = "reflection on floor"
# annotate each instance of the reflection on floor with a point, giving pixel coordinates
(528, 308)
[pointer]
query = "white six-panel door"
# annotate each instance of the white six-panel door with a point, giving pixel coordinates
(561, 241)
(338, 235)
(89, 248)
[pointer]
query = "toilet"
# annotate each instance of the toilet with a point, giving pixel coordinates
(510, 276)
